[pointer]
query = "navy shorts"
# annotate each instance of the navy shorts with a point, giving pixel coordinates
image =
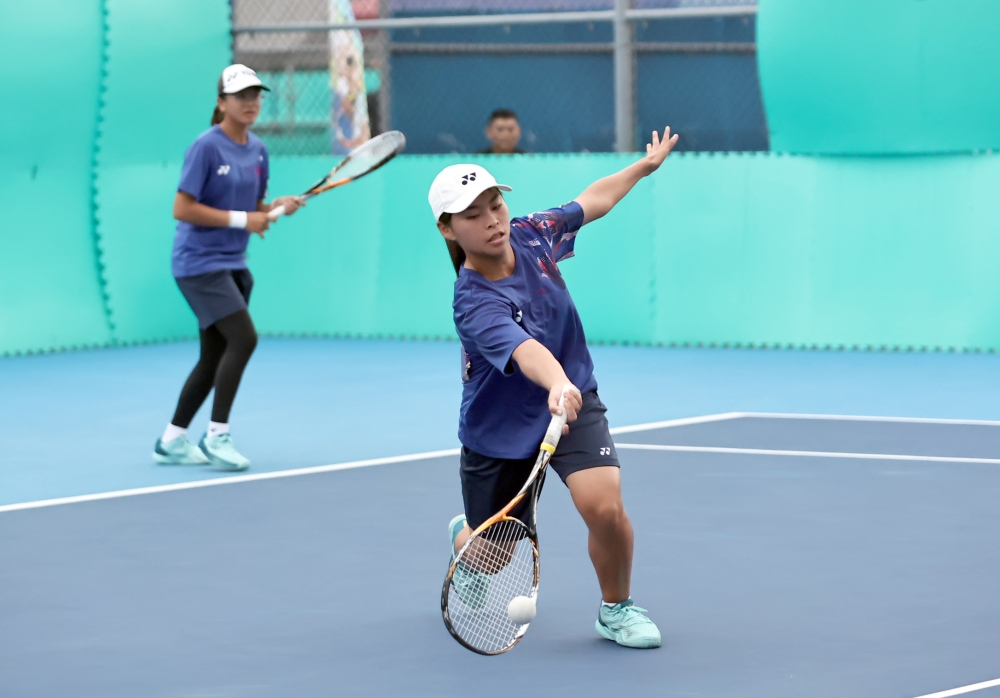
(488, 484)
(217, 294)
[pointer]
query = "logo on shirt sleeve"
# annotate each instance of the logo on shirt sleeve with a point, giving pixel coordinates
(551, 271)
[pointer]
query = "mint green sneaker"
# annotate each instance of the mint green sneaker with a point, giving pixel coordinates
(626, 624)
(472, 587)
(455, 527)
(221, 451)
(178, 451)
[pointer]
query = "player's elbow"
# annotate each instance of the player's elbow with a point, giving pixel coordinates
(182, 206)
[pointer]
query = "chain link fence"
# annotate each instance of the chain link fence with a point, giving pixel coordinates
(437, 69)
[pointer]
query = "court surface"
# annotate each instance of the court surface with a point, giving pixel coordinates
(770, 574)
(781, 554)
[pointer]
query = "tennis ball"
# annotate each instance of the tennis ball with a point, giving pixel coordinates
(521, 610)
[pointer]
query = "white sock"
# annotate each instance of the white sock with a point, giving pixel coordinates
(172, 432)
(605, 603)
(216, 428)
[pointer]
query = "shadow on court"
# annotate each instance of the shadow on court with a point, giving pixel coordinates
(768, 576)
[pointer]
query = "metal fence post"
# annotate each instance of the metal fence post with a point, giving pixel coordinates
(384, 42)
(624, 79)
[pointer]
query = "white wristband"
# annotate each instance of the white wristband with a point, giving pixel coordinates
(237, 219)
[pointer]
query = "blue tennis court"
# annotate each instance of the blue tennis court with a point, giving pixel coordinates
(781, 554)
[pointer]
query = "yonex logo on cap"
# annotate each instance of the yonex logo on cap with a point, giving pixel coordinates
(241, 71)
(457, 186)
(238, 77)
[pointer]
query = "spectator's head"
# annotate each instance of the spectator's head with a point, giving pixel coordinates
(503, 131)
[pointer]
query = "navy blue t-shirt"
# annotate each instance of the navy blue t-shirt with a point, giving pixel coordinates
(504, 415)
(221, 173)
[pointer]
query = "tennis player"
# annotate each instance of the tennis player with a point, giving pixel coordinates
(219, 203)
(523, 345)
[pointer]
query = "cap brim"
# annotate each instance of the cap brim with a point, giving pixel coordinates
(239, 88)
(464, 201)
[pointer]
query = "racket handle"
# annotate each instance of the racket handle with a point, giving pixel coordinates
(276, 213)
(554, 432)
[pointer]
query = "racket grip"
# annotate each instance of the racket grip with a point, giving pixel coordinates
(554, 432)
(276, 213)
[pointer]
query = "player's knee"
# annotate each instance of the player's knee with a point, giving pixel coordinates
(607, 511)
(246, 343)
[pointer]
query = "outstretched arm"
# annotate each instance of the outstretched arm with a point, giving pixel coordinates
(601, 196)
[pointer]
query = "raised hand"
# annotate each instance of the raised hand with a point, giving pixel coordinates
(657, 151)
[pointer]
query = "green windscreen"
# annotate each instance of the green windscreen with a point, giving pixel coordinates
(164, 58)
(50, 69)
(726, 249)
(880, 76)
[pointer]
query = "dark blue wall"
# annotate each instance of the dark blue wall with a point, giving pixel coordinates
(566, 101)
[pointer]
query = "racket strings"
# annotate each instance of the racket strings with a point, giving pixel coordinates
(369, 155)
(498, 566)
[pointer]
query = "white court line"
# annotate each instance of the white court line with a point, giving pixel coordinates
(808, 454)
(860, 418)
(228, 480)
(963, 689)
(679, 422)
(454, 451)
(311, 470)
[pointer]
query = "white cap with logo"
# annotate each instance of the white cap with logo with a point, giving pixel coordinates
(238, 77)
(457, 186)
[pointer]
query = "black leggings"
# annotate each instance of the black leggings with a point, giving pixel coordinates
(226, 347)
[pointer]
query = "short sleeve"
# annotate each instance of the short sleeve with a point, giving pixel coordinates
(488, 328)
(197, 166)
(264, 175)
(559, 227)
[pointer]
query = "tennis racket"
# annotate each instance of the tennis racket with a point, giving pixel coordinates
(366, 158)
(496, 565)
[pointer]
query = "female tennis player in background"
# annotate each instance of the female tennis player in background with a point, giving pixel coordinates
(523, 346)
(219, 202)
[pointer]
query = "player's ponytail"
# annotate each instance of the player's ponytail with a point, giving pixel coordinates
(217, 115)
(455, 250)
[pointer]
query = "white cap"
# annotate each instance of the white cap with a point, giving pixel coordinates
(238, 77)
(456, 187)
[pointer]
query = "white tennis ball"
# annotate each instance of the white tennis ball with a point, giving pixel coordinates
(521, 610)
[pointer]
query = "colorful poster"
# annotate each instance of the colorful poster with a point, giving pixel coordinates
(349, 99)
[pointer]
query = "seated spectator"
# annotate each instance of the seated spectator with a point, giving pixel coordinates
(503, 132)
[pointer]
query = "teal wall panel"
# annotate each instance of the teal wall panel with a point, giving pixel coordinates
(50, 69)
(163, 60)
(829, 251)
(367, 259)
(880, 76)
(316, 271)
(724, 249)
